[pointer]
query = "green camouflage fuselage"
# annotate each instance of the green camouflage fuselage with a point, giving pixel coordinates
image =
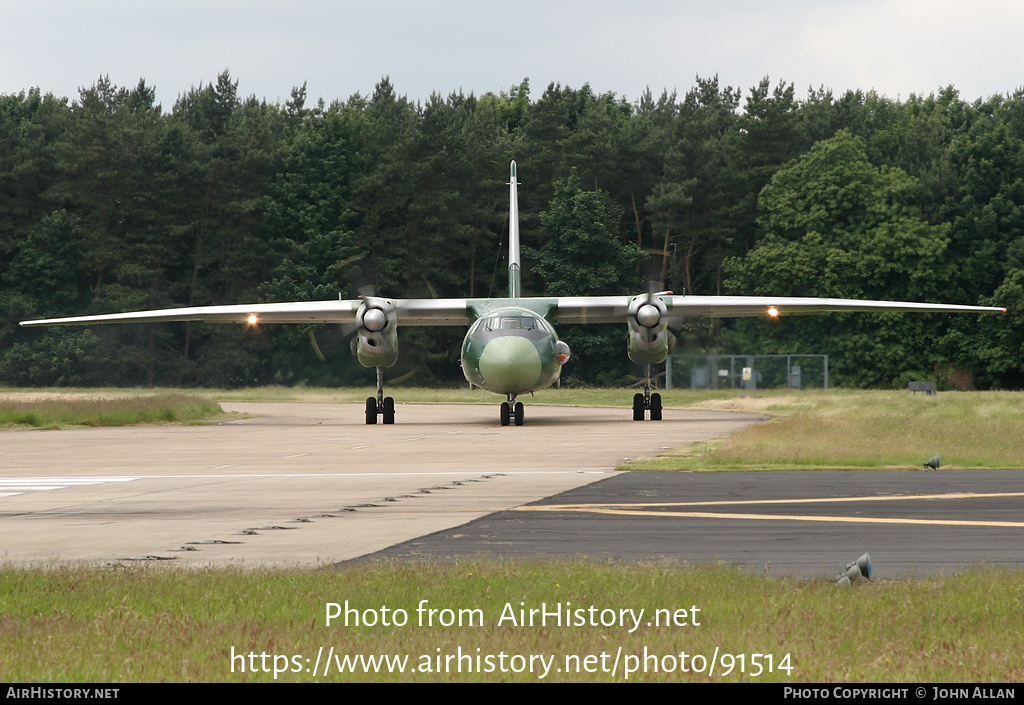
(511, 347)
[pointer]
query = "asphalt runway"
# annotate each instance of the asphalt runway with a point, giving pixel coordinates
(807, 524)
(304, 484)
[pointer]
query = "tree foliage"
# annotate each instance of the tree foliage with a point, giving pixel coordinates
(110, 202)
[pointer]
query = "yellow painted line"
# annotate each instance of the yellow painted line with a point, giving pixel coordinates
(300, 455)
(414, 438)
(223, 467)
(822, 500)
(358, 447)
(780, 517)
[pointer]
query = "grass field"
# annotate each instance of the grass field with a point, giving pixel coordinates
(55, 411)
(815, 430)
(150, 624)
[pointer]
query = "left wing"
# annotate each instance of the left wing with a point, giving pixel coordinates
(649, 316)
(616, 309)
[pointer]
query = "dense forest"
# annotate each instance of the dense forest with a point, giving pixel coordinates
(110, 202)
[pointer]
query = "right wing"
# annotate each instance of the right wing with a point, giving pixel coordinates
(411, 312)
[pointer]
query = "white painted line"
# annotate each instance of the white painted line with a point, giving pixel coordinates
(66, 480)
(13, 486)
(469, 474)
(35, 488)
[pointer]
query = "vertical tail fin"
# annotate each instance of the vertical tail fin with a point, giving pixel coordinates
(515, 287)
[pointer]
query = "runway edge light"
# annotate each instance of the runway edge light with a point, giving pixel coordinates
(860, 569)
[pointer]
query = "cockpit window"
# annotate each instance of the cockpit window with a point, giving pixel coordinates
(496, 323)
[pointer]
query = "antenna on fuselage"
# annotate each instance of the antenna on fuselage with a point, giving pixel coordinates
(515, 286)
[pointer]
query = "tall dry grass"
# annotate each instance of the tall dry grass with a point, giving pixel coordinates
(866, 429)
(51, 412)
(152, 624)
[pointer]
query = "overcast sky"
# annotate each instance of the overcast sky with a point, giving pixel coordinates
(896, 47)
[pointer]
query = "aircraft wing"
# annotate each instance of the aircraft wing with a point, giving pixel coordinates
(612, 309)
(415, 312)
(457, 312)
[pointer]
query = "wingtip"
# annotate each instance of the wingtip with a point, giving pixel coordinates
(512, 169)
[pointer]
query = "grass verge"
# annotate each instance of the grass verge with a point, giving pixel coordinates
(860, 430)
(146, 624)
(64, 411)
(357, 395)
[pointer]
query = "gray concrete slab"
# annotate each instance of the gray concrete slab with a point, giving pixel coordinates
(109, 494)
(808, 524)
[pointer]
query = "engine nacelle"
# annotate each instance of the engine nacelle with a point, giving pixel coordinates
(650, 340)
(376, 341)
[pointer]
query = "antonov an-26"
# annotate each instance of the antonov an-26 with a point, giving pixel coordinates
(511, 347)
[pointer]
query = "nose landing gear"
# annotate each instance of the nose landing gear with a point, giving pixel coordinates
(512, 410)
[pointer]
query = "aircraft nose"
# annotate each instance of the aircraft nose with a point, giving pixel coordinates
(510, 364)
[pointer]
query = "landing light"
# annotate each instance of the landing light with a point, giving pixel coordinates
(253, 318)
(772, 311)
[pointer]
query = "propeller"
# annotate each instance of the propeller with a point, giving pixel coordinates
(648, 319)
(371, 336)
(649, 310)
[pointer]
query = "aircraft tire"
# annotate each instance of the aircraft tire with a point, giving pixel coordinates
(504, 414)
(520, 413)
(371, 410)
(655, 407)
(389, 410)
(638, 407)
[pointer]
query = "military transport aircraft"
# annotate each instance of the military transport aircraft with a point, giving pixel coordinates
(511, 347)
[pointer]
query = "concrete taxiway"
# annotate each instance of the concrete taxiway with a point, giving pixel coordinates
(304, 484)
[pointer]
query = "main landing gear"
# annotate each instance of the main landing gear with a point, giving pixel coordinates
(512, 410)
(381, 405)
(645, 401)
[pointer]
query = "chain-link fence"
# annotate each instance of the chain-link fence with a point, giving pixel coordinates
(746, 371)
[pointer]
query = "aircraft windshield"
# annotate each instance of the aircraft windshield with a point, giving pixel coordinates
(493, 323)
